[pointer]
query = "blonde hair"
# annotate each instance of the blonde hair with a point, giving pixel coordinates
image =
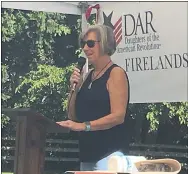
(106, 37)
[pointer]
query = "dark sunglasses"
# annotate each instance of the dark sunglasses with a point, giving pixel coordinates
(90, 43)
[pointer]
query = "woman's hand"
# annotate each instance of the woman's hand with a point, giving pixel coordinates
(75, 77)
(74, 126)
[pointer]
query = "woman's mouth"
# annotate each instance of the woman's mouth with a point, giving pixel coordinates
(88, 55)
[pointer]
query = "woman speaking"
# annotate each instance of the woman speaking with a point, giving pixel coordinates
(98, 106)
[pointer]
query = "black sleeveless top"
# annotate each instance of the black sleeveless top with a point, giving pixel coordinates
(92, 104)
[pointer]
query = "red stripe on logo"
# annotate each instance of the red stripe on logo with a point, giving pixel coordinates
(118, 41)
(118, 34)
(117, 23)
(117, 29)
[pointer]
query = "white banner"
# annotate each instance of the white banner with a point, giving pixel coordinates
(152, 47)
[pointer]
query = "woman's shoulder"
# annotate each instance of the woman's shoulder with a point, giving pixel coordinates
(118, 73)
(116, 69)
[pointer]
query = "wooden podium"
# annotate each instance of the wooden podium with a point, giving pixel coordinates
(31, 130)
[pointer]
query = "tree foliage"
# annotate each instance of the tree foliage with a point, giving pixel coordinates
(45, 90)
(38, 52)
(166, 111)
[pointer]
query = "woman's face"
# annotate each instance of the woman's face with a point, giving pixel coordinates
(92, 53)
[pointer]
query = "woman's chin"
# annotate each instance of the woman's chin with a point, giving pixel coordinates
(90, 62)
(90, 59)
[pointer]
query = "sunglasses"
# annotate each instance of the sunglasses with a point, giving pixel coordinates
(90, 43)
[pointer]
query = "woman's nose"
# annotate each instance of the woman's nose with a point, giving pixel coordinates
(85, 47)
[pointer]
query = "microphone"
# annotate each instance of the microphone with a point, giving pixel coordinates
(81, 63)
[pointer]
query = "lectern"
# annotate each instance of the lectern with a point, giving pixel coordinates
(31, 130)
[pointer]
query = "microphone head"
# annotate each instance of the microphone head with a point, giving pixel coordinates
(81, 63)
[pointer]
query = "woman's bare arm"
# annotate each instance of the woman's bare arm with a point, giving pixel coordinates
(118, 91)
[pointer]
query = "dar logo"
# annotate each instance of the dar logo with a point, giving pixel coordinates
(117, 27)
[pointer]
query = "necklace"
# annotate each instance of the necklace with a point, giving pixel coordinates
(92, 80)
